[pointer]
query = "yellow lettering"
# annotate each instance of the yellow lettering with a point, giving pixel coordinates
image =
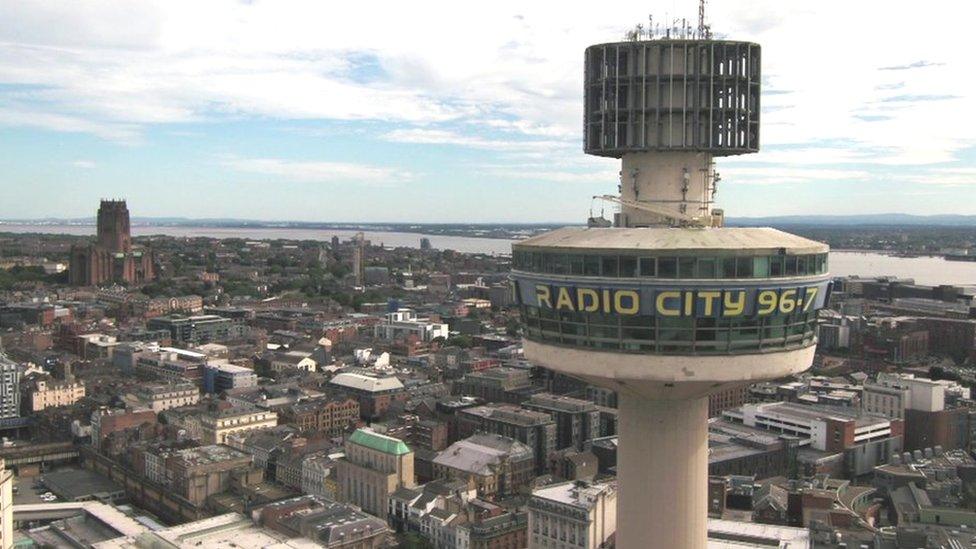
(564, 301)
(787, 301)
(734, 307)
(618, 299)
(767, 302)
(689, 303)
(581, 296)
(810, 297)
(660, 304)
(709, 299)
(542, 295)
(606, 301)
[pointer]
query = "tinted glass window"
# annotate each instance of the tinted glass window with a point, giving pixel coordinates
(667, 267)
(706, 267)
(648, 266)
(628, 266)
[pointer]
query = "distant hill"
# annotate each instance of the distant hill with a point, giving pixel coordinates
(943, 220)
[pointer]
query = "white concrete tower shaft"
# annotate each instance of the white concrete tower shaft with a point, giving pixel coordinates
(682, 182)
(662, 460)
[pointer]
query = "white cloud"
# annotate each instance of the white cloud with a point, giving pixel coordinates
(115, 68)
(85, 164)
(447, 137)
(317, 172)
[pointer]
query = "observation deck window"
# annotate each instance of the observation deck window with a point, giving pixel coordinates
(662, 335)
(671, 267)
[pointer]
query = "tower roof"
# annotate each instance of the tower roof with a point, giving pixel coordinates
(737, 239)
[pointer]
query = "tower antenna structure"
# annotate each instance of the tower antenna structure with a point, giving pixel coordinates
(665, 305)
(704, 33)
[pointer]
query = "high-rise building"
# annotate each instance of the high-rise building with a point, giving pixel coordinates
(359, 259)
(664, 304)
(10, 374)
(112, 257)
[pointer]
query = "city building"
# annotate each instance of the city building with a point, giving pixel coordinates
(40, 392)
(227, 530)
(217, 425)
(537, 430)
(10, 374)
(323, 415)
(169, 363)
(329, 524)
(404, 323)
(198, 473)
(573, 514)
(502, 384)
(865, 441)
(224, 376)
(663, 303)
(577, 420)
(373, 468)
(198, 329)
(112, 257)
(497, 466)
(163, 396)
(106, 421)
(374, 393)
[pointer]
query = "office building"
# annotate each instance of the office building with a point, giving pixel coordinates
(41, 391)
(217, 425)
(573, 514)
(327, 523)
(10, 374)
(537, 430)
(198, 329)
(577, 421)
(404, 324)
(374, 393)
(163, 396)
(502, 384)
(497, 466)
(224, 376)
(374, 466)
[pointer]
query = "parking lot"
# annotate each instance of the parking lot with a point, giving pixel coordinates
(28, 491)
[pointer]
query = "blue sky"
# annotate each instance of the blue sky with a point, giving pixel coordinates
(404, 112)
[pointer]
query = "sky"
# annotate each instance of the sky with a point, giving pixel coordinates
(456, 111)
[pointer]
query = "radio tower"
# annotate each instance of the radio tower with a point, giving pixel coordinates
(665, 305)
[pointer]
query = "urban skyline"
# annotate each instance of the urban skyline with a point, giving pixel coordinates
(340, 117)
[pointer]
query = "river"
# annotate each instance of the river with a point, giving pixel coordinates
(925, 270)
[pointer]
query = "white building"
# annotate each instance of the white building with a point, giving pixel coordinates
(10, 373)
(573, 514)
(891, 394)
(216, 426)
(160, 397)
(813, 425)
(404, 323)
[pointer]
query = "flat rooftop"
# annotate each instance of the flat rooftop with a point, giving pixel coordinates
(756, 240)
(75, 484)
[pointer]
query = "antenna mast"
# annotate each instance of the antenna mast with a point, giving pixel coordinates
(704, 33)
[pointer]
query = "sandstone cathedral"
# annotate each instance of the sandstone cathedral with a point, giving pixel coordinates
(112, 257)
